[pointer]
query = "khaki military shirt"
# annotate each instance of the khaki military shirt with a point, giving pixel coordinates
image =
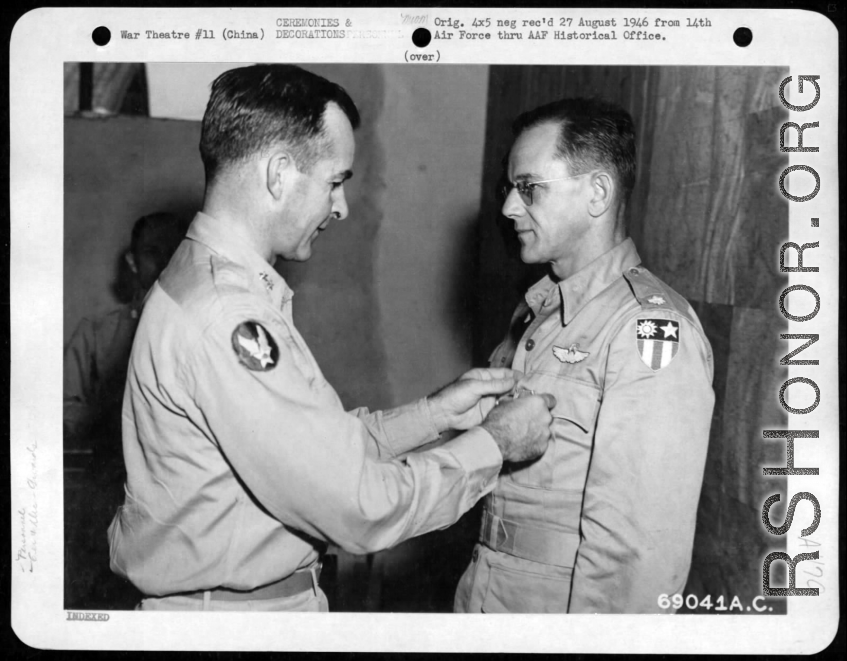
(241, 460)
(604, 521)
(95, 363)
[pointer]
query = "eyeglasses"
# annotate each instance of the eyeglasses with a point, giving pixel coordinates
(525, 188)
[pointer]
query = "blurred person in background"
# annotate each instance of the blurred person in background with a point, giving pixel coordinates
(95, 366)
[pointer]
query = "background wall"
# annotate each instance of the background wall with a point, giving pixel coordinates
(117, 170)
(433, 129)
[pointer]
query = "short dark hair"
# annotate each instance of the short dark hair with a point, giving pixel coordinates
(592, 133)
(251, 108)
(159, 220)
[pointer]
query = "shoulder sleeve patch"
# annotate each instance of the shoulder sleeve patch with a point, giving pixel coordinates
(657, 341)
(254, 346)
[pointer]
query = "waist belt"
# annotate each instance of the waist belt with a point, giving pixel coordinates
(549, 547)
(300, 581)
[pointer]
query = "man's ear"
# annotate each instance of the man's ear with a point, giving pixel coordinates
(602, 194)
(280, 167)
(130, 260)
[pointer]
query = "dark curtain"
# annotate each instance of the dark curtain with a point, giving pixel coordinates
(707, 218)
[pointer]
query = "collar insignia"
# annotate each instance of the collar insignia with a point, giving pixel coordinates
(267, 280)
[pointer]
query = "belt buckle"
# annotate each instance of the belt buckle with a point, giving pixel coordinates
(495, 534)
(314, 571)
(501, 528)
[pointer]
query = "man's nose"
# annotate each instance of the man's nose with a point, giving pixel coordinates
(512, 205)
(339, 206)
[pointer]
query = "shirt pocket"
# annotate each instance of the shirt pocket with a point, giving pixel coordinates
(574, 419)
(512, 590)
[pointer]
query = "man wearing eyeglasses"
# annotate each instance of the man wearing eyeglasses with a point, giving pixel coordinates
(604, 521)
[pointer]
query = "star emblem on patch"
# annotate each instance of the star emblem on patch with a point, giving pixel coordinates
(657, 341)
(254, 346)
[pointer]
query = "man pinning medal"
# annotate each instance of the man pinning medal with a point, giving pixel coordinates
(241, 462)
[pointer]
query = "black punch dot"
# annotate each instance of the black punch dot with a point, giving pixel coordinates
(101, 36)
(743, 37)
(421, 37)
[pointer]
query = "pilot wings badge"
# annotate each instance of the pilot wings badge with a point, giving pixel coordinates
(570, 355)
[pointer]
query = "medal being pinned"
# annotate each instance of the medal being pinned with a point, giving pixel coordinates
(657, 341)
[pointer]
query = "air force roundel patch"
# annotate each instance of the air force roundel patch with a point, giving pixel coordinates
(658, 341)
(254, 346)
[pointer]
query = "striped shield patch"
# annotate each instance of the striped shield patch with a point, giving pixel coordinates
(658, 341)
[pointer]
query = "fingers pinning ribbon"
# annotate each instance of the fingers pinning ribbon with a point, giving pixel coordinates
(514, 393)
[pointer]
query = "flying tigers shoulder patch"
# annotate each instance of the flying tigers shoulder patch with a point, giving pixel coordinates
(657, 341)
(254, 346)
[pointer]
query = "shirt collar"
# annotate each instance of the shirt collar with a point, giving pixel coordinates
(577, 290)
(219, 237)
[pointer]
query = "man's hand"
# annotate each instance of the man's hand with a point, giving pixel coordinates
(465, 402)
(521, 426)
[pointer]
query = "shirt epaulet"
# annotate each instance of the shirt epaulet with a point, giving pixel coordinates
(651, 293)
(236, 291)
(229, 276)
